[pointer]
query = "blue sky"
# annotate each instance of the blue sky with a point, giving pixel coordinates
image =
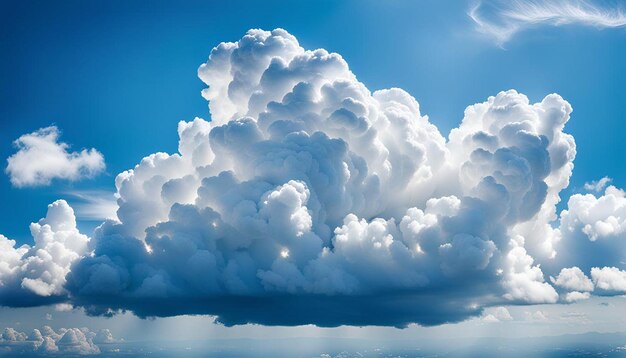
(118, 76)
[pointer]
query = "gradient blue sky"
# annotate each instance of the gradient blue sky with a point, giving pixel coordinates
(118, 76)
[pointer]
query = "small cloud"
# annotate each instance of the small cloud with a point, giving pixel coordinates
(40, 158)
(573, 279)
(598, 185)
(503, 19)
(497, 314)
(537, 316)
(576, 296)
(609, 279)
(63, 307)
(48, 317)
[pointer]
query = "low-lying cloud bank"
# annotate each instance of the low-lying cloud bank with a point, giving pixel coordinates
(308, 199)
(64, 341)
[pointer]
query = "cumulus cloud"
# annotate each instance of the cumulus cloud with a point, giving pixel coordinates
(503, 19)
(35, 274)
(573, 279)
(64, 341)
(309, 199)
(497, 314)
(576, 296)
(609, 279)
(40, 158)
(592, 230)
(307, 191)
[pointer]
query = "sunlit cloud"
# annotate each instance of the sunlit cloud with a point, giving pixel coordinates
(502, 20)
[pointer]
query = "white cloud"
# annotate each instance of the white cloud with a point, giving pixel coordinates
(609, 279)
(524, 281)
(503, 19)
(40, 269)
(63, 307)
(598, 185)
(599, 218)
(576, 296)
(497, 314)
(64, 341)
(41, 158)
(573, 279)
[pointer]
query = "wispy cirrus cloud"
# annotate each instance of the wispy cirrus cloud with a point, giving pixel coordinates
(94, 204)
(503, 19)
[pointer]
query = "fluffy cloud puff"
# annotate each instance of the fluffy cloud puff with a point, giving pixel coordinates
(45, 341)
(40, 158)
(309, 199)
(32, 275)
(592, 230)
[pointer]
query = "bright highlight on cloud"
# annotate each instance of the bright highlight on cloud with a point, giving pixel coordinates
(309, 199)
(503, 19)
(40, 158)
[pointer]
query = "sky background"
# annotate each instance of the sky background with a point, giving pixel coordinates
(119, 75)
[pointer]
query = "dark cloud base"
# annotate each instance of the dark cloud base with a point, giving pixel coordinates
(397, 310)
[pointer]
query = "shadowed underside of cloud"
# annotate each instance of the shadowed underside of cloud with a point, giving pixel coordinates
(309, 199)
(385, 309)
(503, 19)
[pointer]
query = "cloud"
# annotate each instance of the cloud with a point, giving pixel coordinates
(94, 205)
(40, 158)
(32, 275)
(309, 199)
(609, 279)
(503, 19)
(573, 279)
(64, 341)
(592, 230)
(576, 296)
(497, 314)
(598, 185)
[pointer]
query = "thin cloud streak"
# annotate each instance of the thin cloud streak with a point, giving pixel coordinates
(502, 20)
(94, 205)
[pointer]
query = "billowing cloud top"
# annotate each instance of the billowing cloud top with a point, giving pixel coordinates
(308, 199)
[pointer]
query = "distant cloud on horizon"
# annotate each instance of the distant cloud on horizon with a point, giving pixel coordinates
(60, 342)
(502, 20)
